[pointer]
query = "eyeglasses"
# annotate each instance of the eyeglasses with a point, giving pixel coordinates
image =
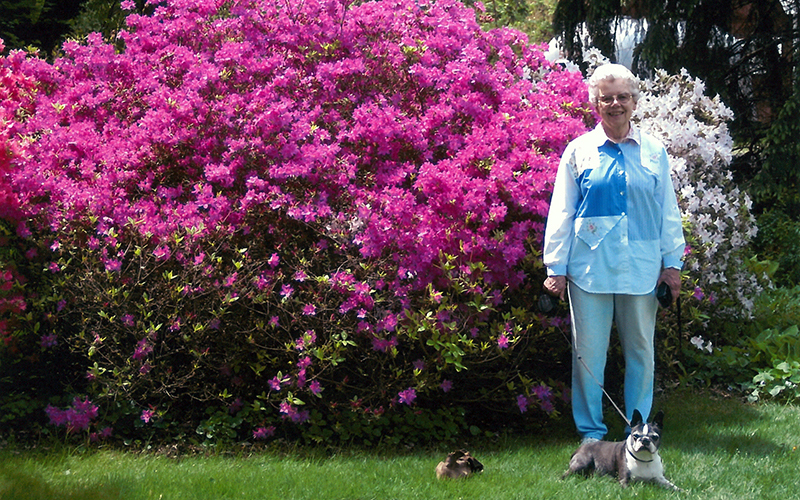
(620, 98)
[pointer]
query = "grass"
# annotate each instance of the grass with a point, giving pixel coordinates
(715, 448)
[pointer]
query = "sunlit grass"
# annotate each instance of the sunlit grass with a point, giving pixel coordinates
(716, 448)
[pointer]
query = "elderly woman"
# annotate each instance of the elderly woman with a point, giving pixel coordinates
(613, 235)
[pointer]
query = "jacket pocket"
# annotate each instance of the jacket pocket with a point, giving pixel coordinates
(592, 230)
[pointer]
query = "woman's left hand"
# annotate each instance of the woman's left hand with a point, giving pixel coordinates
(672, 277)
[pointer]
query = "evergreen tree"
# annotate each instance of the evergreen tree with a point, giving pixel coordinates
(744, 50)
(36, 23)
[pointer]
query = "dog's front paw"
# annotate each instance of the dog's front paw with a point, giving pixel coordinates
(664, 482)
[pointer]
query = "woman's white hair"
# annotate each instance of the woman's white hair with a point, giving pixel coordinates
(612, 72)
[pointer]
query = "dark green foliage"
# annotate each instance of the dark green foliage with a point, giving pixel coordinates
(37, 23)
(778, 240)
(777, 185)
(102, 16)
(760, 356)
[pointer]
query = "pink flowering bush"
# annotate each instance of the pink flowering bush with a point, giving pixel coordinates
(30, 354)
(14, 89)
(277, 220)
(79, 416)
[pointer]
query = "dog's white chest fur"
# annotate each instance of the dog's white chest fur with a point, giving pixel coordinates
(646, 467)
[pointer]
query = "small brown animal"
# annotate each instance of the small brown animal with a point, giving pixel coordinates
(458, 464)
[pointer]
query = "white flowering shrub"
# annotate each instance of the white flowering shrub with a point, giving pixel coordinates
(717, 218)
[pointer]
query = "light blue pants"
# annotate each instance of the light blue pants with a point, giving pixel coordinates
(592, 316)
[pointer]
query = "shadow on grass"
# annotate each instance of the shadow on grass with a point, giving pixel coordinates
(710, 423)
(16, 485)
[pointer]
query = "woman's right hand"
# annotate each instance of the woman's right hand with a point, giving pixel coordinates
(556, 285)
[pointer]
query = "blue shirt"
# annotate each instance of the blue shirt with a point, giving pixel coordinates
(614, 221)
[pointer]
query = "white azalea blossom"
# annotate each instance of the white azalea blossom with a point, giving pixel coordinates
(701, 344)
(716, 213)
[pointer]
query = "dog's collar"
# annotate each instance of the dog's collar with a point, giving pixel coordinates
(630, 452)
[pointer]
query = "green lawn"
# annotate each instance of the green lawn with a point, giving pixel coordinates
(716, 448)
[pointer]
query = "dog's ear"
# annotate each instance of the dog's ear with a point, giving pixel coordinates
(637, 418)
(659, 419)
(453, 458)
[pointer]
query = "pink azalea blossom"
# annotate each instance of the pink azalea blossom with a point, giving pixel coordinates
(263, 432)
(502, 341)
(147, 416)
(407, 396)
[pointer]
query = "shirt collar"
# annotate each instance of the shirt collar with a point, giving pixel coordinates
(599, 135)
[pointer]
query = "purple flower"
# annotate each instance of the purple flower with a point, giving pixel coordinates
(57, 416)
(77, 417)
(291, 413)
(236, 406)
(300, 416)
(127, 320)
(315, 387)
(262, 282)
(407, 396)
(147, 415)
(547, 406)
(542, 392)
(48, 341)
(143, 348)
(309, 310)
(113, 265)
(230, 280)
(263, 432)
(162, 253)
(389, 323)
(446, 385)
(502, 341)
(275, 384)
(522, 403)
(383, 345)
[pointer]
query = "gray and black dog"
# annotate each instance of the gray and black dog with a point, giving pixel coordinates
(635, 459)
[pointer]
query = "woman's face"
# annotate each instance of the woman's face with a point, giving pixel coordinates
(615, 104)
